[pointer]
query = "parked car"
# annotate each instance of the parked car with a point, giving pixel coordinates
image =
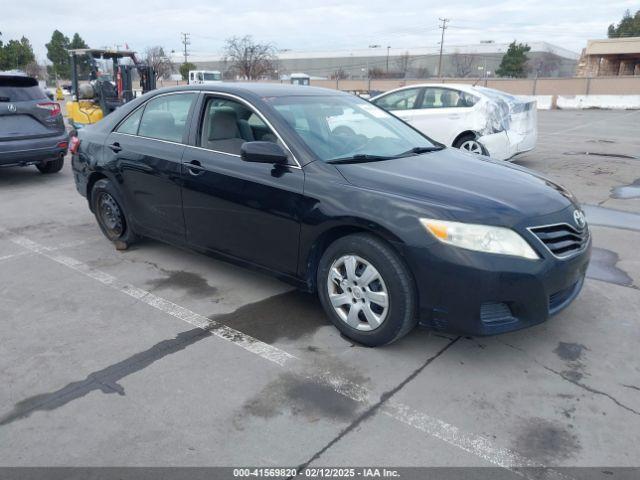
(477, 119)
(388, 227)
(32, 130)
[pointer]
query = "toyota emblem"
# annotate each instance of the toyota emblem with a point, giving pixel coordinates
(581, 221)
(12, 108)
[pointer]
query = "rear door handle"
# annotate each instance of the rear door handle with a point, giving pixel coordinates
(194, 167)
(115, 146)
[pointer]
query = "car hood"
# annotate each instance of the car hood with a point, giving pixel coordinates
(460, 186)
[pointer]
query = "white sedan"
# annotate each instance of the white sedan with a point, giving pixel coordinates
(477, 119)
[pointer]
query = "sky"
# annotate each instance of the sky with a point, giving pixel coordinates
(304, 25)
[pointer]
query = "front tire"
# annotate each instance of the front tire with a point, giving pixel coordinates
(109, 212)
(52, 166)
(366, 290)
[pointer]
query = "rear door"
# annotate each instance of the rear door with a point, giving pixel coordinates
(25, 111)
(146, 149)
(443, 113)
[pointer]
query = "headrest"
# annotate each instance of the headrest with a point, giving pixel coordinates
(224, 125)
(158, 120)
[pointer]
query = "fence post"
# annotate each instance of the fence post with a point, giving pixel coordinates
(535, 85)
(588, 87)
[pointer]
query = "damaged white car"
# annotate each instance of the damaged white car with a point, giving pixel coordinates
(477, 119)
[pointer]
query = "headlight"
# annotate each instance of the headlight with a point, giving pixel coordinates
(481, 238)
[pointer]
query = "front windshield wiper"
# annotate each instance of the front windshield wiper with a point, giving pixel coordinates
(419, 150)
(365, 157)
(360, 158)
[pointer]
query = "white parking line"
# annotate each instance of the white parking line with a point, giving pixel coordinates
(253, 345)
(469, 442)
(60, 246)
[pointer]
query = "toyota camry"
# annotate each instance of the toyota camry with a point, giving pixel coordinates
(337, 196)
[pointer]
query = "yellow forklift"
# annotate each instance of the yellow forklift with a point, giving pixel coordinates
(102, 95)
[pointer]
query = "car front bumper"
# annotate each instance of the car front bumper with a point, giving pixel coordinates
(31, 151)
(475, 293)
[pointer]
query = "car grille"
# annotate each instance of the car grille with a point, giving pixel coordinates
(562, 239)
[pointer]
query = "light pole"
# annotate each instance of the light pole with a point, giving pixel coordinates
(388, 48)
(368, 74)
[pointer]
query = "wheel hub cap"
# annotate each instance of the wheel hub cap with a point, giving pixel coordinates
(358, 293)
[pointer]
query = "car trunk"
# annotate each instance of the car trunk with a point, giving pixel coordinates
(523, 124)
(25, 110)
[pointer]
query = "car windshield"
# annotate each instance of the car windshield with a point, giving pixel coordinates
(343, 127)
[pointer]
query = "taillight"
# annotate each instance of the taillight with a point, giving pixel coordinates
(75, 144)
(54, 108)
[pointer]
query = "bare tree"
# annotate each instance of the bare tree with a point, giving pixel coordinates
(544, 65)
(462, 64)
(250, 60)
(403, 62)
(161, 63)
(339, 74)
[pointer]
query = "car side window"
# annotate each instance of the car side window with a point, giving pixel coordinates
(446, 98)
(402, 100)
(227, 124)
(165, 117)
(131, 124)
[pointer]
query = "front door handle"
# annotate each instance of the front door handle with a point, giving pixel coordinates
(115, 146)
(194, 167)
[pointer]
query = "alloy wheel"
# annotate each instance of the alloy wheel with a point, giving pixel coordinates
(358, 293)
(472, 146)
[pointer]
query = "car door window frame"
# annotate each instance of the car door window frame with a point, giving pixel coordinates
(198, 118)
(187, 126)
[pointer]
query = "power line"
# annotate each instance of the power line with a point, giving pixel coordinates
(186, 41)
(443, 27)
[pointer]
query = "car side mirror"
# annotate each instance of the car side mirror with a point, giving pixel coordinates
(263, 152)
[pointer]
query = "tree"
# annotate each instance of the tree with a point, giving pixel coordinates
(627, 27)
(544, 65)
(514, 62)
(58, 55)
(339, 74)
(248, 59)
(161, 63)
(462, 64)
(17, 54)
(83, 62)
(184, 69)
(403, 63)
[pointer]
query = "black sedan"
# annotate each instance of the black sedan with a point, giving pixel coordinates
(337, 196)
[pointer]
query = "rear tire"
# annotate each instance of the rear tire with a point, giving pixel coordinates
(366, 290)
(470, 144)
(110, 214)
(52, 166)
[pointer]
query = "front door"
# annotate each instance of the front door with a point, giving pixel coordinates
(242, 209)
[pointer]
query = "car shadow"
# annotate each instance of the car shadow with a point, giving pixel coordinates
(28, 175)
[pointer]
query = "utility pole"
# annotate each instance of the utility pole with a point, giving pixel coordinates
(443, 27)
(186, 41)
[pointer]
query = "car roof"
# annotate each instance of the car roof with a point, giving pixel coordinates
(464, 87)
(260, 89)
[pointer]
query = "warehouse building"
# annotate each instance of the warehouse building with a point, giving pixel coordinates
(610, 57)
(545, 60)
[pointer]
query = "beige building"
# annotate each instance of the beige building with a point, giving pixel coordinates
(610, 57)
